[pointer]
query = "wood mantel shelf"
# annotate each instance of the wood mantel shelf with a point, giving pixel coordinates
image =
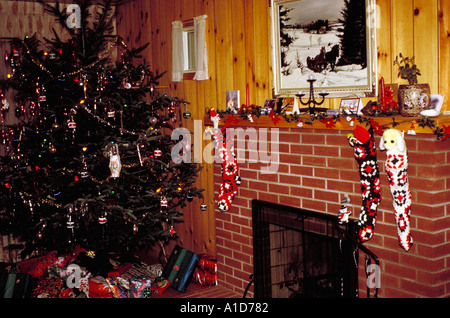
(342, 123)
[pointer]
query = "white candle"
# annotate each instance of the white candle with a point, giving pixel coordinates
(299, 93)
(310, 77)
(324, 92)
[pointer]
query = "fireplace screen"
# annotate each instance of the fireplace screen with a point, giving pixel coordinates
(300, 253)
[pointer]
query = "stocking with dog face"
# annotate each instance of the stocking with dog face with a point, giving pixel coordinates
(396, 169)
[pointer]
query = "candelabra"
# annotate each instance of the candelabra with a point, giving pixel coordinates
(312, 102)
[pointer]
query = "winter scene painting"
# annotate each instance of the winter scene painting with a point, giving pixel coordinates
(325, 40)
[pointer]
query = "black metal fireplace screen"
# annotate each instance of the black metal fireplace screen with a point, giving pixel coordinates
(301, 253)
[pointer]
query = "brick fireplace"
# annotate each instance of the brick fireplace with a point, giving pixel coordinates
(316, 170)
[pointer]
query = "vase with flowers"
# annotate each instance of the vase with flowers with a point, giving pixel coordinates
(413, 97)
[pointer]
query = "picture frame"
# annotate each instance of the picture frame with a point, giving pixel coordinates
(270, 103)
(309, 38)
(351, 106)
(233, 101)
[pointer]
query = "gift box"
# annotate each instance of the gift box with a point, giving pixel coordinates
(15, 285)
(140, 287)
(180, 268)
(206, 272)
(160, 286)
(99, 288)
(37, 267)
(141, 269)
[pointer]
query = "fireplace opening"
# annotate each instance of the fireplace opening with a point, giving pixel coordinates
(301, 253)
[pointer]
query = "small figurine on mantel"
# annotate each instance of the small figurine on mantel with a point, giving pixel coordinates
(385, 106)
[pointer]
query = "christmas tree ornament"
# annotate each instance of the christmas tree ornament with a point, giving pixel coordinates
(157, 153)
(163, 202)
(51, 148)
(102, 219)
(153, 121)
(397, 174)
(363, 143)
(187, 114)
(115, 165)
(70, 224)
(344, 213)
(203, 207)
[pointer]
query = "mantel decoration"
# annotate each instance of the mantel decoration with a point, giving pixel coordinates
(413, 97)
(312, 102)
(252, 112)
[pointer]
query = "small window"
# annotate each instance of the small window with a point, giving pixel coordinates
(189, 49)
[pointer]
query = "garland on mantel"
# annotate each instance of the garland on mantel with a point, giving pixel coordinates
(255, 112)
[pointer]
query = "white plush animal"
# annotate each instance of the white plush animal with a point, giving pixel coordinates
(393, 140)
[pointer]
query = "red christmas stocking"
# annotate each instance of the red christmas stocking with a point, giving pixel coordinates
(365, 154)
(396, 169)
(230, 172)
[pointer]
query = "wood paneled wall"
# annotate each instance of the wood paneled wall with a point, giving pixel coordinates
(239, 49)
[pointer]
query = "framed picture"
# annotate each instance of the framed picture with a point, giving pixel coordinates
(233, 101)
(270, 103)
(314, 39)
(351, 106)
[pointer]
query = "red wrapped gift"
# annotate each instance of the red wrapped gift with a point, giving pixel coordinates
(207, 263)
(119, 270)
(99, 288)
(160, 286)
(206, 272)
(37, 267)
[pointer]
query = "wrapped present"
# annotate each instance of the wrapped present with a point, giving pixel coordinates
(180, 268)
(37, 267)
(138, 286)
(67, 293)
(48, 288)
(99, 288)
(156, 270)
(206, 272)
(114, 287)
(207, 263)
(121, 285)
(160, 286)
(119, 270)
(141, 269)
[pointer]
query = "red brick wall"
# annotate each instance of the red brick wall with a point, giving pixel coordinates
(316, 171)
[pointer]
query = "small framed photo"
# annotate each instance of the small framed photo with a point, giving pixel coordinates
(269, 104)
(351, 106)
(233, 101)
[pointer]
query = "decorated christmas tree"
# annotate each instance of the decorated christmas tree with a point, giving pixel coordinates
(89, 161)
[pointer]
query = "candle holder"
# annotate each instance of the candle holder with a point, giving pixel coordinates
(312, 102)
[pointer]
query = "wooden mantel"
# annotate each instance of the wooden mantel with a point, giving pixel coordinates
(342, 123)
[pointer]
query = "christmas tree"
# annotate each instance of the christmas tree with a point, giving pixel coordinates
(89, 161)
